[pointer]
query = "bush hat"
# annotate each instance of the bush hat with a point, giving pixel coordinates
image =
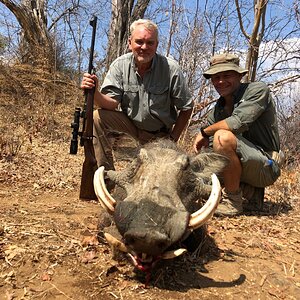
(224, 62)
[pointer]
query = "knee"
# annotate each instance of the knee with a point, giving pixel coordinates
(97, 119)
(102, 115)
(224, 140)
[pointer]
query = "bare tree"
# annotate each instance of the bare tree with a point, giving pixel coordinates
(215, 22)
(36, 45)
(124, 12)
(289, 123)
(255, 38)
(36, 42)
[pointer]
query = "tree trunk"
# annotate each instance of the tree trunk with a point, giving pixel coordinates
(124, 12)
(256, 36)
(36, 46)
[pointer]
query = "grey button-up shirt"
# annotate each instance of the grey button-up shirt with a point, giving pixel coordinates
(254, 116)
(151, 102)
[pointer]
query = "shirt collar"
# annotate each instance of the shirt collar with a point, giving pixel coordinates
(154, 61)
(236, 95)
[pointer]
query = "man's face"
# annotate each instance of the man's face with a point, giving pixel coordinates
(143, 44)
(226, 83)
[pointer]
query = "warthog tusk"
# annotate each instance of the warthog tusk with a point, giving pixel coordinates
(202, 215)
(115, 243)
(173, 253)
(106, 200)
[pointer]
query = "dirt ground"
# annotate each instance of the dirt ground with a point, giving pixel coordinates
(48, 237)
(49, 247)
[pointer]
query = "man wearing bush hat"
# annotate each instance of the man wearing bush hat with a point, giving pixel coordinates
(243, 127)
(224, 62)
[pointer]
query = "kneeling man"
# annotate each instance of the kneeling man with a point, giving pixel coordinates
(243, 127)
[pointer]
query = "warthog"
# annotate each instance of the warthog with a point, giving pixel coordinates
(164, 187)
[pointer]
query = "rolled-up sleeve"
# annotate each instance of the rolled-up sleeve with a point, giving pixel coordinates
(180, 92)
(249, 108)
(113, 83)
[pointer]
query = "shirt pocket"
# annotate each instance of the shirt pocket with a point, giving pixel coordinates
(159, 97)
(130, 97)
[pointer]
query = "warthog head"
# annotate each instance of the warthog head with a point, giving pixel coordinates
(165, 191)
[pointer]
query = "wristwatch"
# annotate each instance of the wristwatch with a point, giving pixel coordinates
(205, 135)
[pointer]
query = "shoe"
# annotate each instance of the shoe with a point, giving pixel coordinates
(231, 204)
(253, 197)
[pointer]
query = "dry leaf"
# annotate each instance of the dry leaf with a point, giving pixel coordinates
(89, 241)
(13, 251)
(45, 277)
(88, 256)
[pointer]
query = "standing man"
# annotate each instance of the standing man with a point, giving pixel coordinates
(243, 127)
(144, 94)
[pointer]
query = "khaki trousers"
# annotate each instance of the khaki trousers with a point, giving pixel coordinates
(258, 167)
(108, 121)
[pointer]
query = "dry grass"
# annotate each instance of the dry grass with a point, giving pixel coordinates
(48, 248)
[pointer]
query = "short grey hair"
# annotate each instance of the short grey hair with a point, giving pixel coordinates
(146, 23)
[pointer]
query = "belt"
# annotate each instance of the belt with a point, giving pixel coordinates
(278, 157)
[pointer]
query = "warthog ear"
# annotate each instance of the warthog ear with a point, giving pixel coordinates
(206, 163)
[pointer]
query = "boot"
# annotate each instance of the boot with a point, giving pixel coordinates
(231, 204)
(253, 196)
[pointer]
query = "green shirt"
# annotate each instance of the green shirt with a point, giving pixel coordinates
(254, 115)
(151, 102)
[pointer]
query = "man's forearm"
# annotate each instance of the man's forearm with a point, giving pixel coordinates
(104, 101)
(212, 129)
(181, 123)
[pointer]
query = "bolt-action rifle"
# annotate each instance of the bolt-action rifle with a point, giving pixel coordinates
(86, 134)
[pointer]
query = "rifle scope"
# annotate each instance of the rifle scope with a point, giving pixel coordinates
(75, 132)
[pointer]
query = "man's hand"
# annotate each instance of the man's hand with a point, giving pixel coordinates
(89, 81)
(104, 101)
(200, 142)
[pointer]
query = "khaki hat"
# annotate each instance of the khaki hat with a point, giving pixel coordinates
(224, 62)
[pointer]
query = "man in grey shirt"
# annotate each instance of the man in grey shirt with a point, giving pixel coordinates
(243, 127)
(144, 94)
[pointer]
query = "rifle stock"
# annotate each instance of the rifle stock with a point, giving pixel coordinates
(90, 164)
